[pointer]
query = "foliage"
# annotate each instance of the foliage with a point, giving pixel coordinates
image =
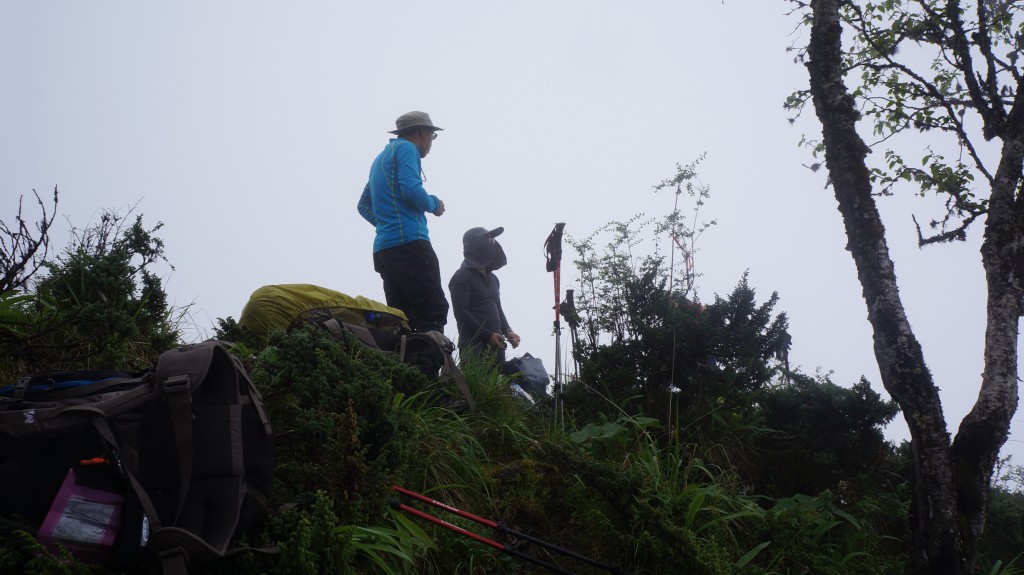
(890, 46)
(17, 317)
(654, 492)
(404, 542)
(684, 236)
(633, 314)
(814, 535)
(336, 427)
(667, 357)
(21, 553)
(1004, 529)
(98, 305)
(22, 254)
(307, 540)
(935, 79)
(824, 437)
(611, 286)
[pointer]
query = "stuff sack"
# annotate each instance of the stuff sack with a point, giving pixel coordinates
(374, 324)
(170, 466)
(528, 372)
(285, 307)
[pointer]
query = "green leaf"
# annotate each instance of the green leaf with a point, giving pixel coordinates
(749, 555)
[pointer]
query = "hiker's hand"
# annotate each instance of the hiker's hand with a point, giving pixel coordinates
(513, 338)
(440, 208)
(497, 341)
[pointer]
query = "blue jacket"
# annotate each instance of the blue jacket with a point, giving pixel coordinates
(394, 200)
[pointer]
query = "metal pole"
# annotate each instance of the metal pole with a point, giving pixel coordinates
(559, 402)
(476, 537)
(498, 526)
(553, 253)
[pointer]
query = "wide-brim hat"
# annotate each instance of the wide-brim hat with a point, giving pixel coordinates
(413, 120)
(480, 253)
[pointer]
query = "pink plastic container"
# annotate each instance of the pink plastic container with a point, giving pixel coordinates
(83, 519)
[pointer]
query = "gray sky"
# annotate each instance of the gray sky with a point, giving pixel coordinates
(248, 128)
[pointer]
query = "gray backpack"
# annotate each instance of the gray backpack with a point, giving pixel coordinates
(168, 467)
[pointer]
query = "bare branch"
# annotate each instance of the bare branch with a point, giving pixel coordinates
(22, 250)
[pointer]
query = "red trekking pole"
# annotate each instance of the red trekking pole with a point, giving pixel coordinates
(553, 254)
(498, 526)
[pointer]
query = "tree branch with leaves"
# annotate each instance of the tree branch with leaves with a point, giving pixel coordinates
(917, 67)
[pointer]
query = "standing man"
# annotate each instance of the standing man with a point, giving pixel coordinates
(476, 297)
(395, 202)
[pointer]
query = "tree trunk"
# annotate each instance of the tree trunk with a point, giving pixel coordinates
(985, 429)
(936, 544)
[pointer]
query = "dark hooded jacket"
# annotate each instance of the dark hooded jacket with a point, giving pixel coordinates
(476, 292)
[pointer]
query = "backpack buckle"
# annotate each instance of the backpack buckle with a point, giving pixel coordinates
(176, 384)
(20, 387)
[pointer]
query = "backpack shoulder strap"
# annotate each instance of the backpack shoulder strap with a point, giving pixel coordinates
(453, 372)
(102, 427)
(178, 372)
(217, 461)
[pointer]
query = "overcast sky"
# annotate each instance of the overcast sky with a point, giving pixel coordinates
(248, 128)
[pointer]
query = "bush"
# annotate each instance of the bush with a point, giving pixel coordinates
(98, 305)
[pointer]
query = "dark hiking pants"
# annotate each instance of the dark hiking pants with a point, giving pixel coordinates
(412, 283)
